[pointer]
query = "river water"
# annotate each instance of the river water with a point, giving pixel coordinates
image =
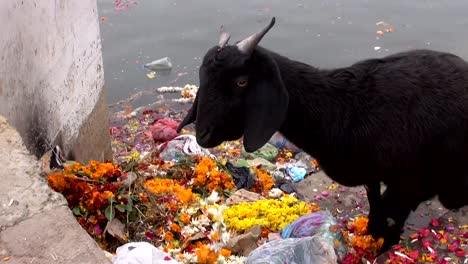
(325, 34)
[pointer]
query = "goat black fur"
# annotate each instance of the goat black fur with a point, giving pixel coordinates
(401, 120)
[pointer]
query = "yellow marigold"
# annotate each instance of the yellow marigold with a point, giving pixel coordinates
(264, 182)
(169, 186)
(272, 213)
(426, 258)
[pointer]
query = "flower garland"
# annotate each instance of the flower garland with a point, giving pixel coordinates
(273, 214)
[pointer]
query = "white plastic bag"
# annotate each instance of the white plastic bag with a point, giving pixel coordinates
(141, 253)
(305, 250)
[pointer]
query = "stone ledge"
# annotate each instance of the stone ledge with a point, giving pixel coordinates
(36, 226)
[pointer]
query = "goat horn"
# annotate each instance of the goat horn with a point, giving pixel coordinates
(223, 37)
(247, 45)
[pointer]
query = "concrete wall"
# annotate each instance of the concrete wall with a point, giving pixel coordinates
(51, 76)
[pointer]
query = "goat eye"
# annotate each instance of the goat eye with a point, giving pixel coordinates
(242, 82)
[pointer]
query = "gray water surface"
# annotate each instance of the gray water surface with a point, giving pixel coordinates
(321, 33)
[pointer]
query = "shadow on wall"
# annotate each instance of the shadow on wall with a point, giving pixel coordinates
(51, 77)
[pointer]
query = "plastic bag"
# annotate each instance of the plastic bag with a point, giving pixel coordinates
(306, 250)
(320, 223)
(180, 147)
(141, 253)
(268, 152)
(161, 64)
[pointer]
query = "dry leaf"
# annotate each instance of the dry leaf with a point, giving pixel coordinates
(116, 229)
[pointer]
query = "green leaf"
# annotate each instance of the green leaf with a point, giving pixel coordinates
(130, 205)
(109, 213)
(121, 207)
(81, 173)
(76, 211)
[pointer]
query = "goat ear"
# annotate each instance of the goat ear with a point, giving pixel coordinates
(190, 117)
(266, 105)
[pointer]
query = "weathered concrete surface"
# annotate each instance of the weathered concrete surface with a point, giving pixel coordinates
(36, 226)
(51, 76)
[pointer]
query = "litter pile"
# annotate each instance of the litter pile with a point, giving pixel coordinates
(163, 197)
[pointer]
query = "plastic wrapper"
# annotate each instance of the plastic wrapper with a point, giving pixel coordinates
(180, 147)
(141, 253)
(305, 250)
(320, 223)
(161, 64)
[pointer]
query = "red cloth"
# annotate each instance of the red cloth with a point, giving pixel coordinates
(164, 129)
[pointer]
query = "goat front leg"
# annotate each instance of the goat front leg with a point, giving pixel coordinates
(396, 209)
(376, 225)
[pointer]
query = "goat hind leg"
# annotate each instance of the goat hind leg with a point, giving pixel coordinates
(376, 224)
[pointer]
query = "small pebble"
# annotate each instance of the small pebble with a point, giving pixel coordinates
(325, 193)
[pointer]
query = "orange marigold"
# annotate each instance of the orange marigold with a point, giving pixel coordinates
(207, 173)
(57, 182)
(205, 255)
(169, 186)
(175, 227)
(367, 242)
(169, 237)
(225, 252)
(360, 225)
(264, 182)
(206, 165)
(185, 218)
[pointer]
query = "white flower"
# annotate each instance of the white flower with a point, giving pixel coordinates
(225, 237)
(213, 198)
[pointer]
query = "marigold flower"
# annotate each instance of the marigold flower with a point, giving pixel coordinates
(169, 237)
(360, 225)
(264, 182)
(169, 186)
(175, 227)
(205, 255)
(207, 175)
(272, 213)
(225, 252)
(185, 218)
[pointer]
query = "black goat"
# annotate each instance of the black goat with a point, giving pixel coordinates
(403, 119)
